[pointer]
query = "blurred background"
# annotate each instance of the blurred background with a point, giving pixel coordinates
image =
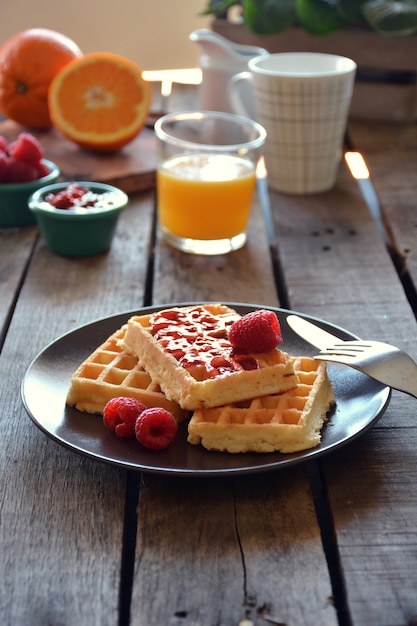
(152, 33)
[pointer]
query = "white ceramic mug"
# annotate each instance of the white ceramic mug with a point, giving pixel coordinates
(302, 99)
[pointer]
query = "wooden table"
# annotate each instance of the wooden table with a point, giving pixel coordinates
(325, 543)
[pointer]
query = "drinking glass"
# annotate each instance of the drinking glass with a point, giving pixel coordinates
(206, 177)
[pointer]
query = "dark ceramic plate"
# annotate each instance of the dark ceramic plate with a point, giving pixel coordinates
(360, 402)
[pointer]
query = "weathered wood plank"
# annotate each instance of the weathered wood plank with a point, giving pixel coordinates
(391, 154)
(366, 47)
(337, 268)
(281, 547)
(236, 547)
(15, 249)
(373, 497)
(336, 264)
(62, 515)
(188, 562)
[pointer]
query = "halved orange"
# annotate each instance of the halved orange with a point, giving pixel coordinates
(100, 101)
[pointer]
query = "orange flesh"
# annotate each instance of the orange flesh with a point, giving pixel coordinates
(89, 104)
(100, 102)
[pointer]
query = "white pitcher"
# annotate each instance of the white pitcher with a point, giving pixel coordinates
(221, 59)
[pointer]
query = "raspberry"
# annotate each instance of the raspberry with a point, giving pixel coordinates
(4, 144)
(60, 200)
(26, 148)
(18, 171)
(69, 197)
(43, 169)
(156, 428)
(120, 414)
(23, 158)
(3, 166)
(258, 331)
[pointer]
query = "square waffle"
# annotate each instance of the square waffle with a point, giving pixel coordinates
(187, 352)
(110, 372)
(288, 422)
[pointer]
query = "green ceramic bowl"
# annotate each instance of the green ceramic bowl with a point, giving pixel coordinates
(14, 210)
(78, 231)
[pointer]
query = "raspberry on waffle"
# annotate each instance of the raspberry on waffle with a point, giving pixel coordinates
(186, 351)
(110, 372)
(288, 422)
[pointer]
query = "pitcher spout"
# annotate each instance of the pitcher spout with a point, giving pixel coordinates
(215, 45)
(220, 59)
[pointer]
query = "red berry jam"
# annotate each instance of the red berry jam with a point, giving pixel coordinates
(76, 196)
(199, 341)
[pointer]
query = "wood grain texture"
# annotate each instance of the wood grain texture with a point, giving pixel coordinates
(391, 154)
(241, 546)
(336, 264)
(337, 268)
(187, 548)
(15, 250)
(279, 535)
(62, 515)
(366, 47)
(372, 492)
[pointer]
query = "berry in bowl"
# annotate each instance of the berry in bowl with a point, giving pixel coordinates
(22, 171)
(78, 218)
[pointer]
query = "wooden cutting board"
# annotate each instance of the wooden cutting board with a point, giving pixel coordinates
(132, 168)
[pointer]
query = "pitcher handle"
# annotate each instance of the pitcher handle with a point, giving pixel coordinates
(234, 92)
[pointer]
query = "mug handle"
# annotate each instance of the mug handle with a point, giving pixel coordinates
(235, 94)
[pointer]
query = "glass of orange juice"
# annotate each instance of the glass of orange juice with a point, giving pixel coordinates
(206, 178)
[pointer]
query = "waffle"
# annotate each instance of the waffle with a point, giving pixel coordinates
(110, 372)
(186, 351)
(288, 422)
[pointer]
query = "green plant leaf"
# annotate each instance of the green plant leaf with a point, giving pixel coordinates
(352, 10)
(267, 17)
(392, 18)
(214, 7)
(319, 17)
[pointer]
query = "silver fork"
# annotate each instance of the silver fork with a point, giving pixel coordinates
(381, 361)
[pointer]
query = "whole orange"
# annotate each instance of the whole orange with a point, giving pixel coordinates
(29, 60)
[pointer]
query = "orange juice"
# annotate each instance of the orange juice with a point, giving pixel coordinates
(205, 196)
